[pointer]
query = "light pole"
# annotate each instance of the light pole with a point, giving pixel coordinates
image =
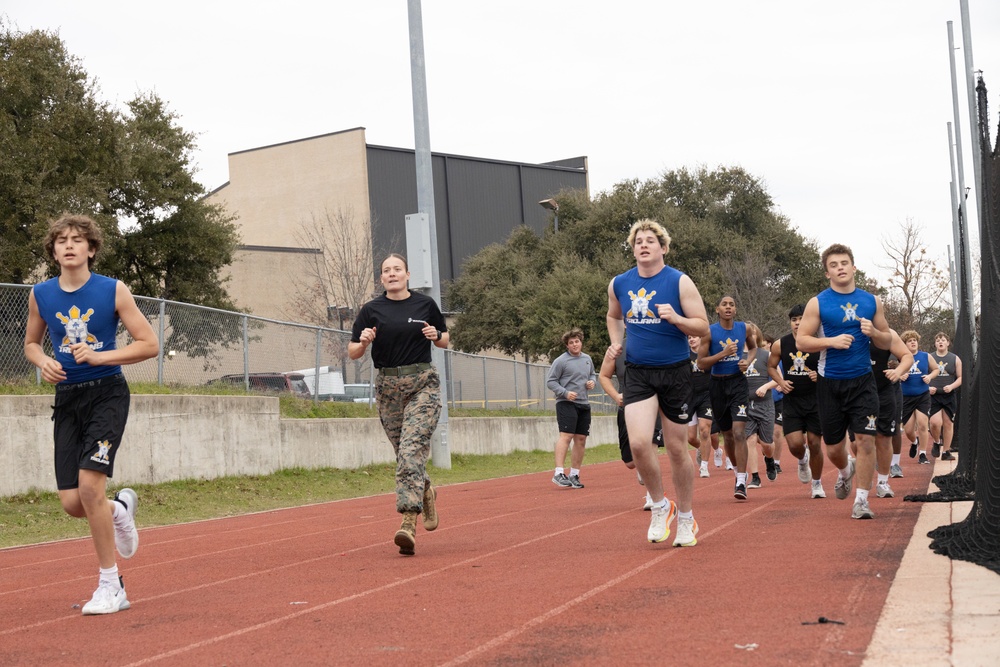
(552, 205)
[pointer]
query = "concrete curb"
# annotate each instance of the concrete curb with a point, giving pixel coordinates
(940, 612)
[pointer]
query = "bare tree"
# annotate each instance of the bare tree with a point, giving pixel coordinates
(751, 278)
(917, 287)
(340, 275)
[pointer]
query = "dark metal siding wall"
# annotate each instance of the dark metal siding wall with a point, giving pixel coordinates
(477, 202)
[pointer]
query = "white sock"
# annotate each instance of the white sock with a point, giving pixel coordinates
(663, 504)
(845, 471)
(685, 515)
(777, 462)
(574, 471)
(741, 478)
(560, 471)
(704, 464)
(895, 459)
(817, 483)
(883, 479)
(861, 495)
(110, 575)
(118, 512)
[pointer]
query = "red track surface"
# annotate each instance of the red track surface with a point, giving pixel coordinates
(519, 572)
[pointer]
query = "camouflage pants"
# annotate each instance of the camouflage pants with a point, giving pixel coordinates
(409, 407)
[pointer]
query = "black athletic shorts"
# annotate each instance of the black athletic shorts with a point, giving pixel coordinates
(729, 399)
(888, 411)
(573, 418)
(670, 384)
(918, 403)
(623, 443)
(779, 415)
(89, 420)
(946, 402)
(842, 403)
(701, 406)
(800, 414)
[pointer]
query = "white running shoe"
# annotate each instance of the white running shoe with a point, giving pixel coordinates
(107, 600)
(639, 477)
(649, 503)
(817, 490)
(883, 490)
(687, 531)
(843, 485)
(729, 464)
(805, 475)
(703, 470)
(718, 457)
(659, 523)
(126, 535)
(861, 510)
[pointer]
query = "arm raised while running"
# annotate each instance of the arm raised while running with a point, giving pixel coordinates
(694, 321)
(807, 341)
(898, 348)
(144, 343)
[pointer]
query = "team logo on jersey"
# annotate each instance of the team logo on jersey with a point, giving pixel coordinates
(751, 371)
(915, 368)
(798, 363)
(103, 447)
(735, 355)
(850, 311)
(871, 423)
(741, 411)
(640, 305)
(943, 365)
(76, 330)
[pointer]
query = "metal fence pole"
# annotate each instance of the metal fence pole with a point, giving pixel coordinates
(159, 359)
(517, 401)
(246, 353)
(319, 345)
(486, 397)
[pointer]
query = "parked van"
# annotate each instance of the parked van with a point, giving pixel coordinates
(331, 382)
(293, 383)
(359, 393)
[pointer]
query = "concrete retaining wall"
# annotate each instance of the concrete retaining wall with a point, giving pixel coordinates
(202, 437)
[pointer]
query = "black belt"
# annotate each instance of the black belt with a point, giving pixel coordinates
(109, 379)
(411, 369)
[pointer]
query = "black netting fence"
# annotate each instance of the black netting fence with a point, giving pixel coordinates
(977, 431)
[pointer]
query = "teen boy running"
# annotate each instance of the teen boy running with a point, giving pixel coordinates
(944, 399)
(839, 323)
(570, 378)
(81, 311)
(659, 307)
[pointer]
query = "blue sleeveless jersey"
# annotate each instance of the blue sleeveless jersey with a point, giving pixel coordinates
(85, 316)
(840, 314)
(914, 384)
(651, 341)
(719, 339)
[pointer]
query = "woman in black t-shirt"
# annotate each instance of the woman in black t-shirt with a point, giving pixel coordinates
(400, 327)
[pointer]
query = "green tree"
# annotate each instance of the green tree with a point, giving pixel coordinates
(726, 234)
(66, 150)
(130, 169)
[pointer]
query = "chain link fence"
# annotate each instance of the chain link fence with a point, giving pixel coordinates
(200, 345)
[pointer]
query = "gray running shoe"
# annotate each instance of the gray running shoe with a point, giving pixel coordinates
(861, 510)
(843, 485)
(895, 470)
(575, 482)
(562, 480)
(883, 490)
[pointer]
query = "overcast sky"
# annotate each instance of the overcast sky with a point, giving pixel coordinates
(841, 108)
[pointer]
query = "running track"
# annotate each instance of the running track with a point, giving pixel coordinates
(520, 572)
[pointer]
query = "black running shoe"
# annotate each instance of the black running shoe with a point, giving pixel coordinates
(740, 493)
(913, 450)
(575, 481)
(923, 459)
(772, 472)
(935, 450)
(947, 455)
(777, 468)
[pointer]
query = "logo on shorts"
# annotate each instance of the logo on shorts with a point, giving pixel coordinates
(742, 411)
(640, 305)
(684, 412)
(850, 311)
(76, 330)
(103, 447)
(708, 413)
(871, 423)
